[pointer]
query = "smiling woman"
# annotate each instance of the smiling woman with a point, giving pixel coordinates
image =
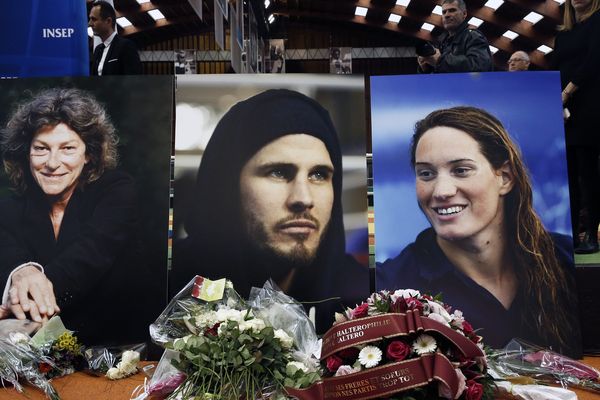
(487, 251)
(67, 237)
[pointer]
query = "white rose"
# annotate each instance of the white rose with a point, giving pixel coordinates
(404, 293)
(293, 366)
(339, 317)
(440, 310)
(346, 370)
(183, 339)
(113, 373)
(438, 318)
(457, 319)
(130, 357)
(18, 337)
(255, 325)
(229, 314)
(285, 339)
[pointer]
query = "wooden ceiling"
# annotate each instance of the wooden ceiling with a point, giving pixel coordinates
(181, 19)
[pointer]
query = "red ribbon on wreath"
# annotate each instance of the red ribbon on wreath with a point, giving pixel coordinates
(368, 329)
(393, 377)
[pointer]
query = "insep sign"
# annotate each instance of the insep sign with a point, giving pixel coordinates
(57, 32)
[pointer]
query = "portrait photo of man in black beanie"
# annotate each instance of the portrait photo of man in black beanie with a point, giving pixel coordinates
(267, 203)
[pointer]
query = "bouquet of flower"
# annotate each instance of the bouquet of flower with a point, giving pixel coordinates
(66, 355)
(19, 360)
(520, 360)
(402, 345)
(223, 347)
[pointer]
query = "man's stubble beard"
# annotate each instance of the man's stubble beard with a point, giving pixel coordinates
(278, 263)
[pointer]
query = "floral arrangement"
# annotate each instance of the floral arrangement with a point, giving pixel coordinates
(520, 360)
(223, 347)
(126, 367)
(66, 355)
(404, 345)
(19, 361)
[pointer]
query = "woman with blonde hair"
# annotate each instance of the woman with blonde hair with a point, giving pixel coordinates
(577, 56)
(487, 251)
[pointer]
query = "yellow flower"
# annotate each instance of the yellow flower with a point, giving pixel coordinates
(67, 342)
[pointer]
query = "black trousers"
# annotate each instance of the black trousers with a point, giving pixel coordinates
(584, 187)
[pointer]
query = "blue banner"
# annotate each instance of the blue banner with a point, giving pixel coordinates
(44, 38)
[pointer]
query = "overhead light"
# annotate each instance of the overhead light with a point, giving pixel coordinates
(560, 2)
(271, 18)
(493, 49)
(361, 11)
(90, 32)
(267, 3)
(533, 17)
(394, 18)
(427, 26)
(402, 3)
(123, 22)
(156, 14)
(510, 35)
(437, 10)
(475, 22)
(143, 1)
(545, 49)
(494, 4)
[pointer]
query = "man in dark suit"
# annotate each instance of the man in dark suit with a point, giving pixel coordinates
(115, 55)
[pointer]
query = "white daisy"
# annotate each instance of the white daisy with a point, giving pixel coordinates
(424, 344)
(369, 356)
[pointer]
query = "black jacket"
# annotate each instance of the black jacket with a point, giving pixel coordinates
(465, 51)
(218, 245)
(577, 56)
(94, 264)
(122, 59)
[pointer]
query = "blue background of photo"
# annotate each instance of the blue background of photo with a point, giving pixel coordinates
(527, 103)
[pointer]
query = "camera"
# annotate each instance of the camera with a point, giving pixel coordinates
(425, 49)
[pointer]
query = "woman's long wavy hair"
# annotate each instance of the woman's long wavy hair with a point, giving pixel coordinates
(75, 108)
(542, 279)
(569, 19)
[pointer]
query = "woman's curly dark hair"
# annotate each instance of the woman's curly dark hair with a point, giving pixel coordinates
(77, 109)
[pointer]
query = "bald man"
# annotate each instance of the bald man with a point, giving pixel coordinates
(519, 61)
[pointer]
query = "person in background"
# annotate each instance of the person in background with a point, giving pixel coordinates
(518, 61)
(460, 49)
(115, 55)
(577, 57)
(487, 252)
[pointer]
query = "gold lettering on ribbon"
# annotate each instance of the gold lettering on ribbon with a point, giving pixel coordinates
(350, 389)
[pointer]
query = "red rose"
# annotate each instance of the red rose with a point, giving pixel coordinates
(414, 304)
(349, 355)
(474, 390)
(45, 368)
(333, 363)
(397, 350)
(467, 328)
(361, 311)
(399, 306)
(212, 331)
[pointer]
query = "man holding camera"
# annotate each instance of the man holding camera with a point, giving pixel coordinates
(461, 49)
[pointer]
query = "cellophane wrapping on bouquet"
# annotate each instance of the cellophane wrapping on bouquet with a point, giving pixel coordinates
(100, 359)
(52, 352)
(221, 346)
(520, 360)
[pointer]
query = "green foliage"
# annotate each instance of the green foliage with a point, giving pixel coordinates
(236, 364)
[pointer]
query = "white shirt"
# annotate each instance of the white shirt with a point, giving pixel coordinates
(106, 43)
